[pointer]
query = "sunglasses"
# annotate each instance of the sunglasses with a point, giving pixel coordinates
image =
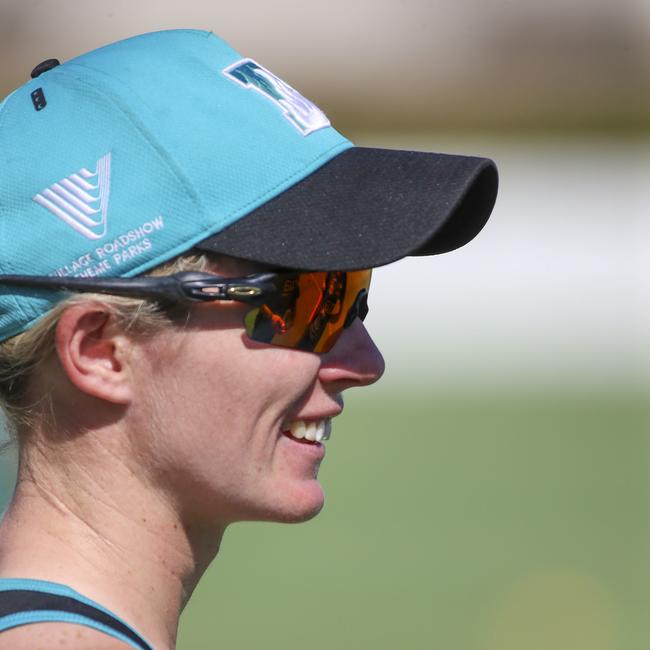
(303, 311)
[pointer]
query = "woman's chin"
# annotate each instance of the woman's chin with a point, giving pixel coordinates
(295, 505)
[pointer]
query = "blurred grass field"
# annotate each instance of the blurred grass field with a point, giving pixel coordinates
(474, 522)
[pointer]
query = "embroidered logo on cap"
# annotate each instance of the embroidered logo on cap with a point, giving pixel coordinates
(81, 199)
(302, 113)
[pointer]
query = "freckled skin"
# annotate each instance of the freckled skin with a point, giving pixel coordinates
(46, 636)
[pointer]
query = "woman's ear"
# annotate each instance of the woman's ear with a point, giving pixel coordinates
(92, 352)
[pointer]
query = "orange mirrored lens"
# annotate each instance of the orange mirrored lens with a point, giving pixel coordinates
(310, 310)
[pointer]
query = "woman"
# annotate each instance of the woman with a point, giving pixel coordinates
(185, 238)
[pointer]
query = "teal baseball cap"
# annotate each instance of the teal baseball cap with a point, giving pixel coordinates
(122, 158)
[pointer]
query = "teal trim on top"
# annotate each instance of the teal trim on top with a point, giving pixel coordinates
(46, 616)
(52, 616)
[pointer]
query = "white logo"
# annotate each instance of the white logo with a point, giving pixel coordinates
(302, 113)
(81, 199)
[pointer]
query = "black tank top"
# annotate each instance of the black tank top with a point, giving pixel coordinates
(36, 601)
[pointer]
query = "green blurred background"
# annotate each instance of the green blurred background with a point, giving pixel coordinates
(492, 491)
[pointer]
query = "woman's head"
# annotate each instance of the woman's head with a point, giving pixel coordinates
(196, 408)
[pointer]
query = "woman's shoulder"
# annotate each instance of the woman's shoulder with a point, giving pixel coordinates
(45, 636)
(42, 614)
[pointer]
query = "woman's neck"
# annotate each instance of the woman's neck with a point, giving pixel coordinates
(99, 530)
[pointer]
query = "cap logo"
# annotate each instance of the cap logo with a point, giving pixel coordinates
(302, 113)
(81, 199)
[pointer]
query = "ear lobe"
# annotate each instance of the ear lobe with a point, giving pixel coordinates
(92, 353)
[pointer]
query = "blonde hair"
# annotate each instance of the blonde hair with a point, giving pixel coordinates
(23, 355)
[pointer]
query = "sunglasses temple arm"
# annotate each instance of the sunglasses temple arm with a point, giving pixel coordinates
(159, 288)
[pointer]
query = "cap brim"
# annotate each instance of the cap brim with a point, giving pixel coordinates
(366, 208)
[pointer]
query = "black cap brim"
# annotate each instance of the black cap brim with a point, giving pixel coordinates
(366, 208)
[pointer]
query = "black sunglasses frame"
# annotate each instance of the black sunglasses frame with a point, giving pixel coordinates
(186, 287)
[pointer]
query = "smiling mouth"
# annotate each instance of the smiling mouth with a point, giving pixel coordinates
(310, 432)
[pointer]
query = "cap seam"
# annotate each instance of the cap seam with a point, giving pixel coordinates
(186, 245)
(4, 103)
(322, 154)
(20, 307)
(21, 327)
(147, 135)
(14, 299)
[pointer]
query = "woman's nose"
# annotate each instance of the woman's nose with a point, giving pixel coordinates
(354, 360)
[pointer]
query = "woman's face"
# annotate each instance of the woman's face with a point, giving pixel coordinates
(213, 408)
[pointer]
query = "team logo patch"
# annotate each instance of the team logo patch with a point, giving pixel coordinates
(81, 199)
(302, 113)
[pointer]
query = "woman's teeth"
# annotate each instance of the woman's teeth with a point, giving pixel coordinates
(312, 431)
